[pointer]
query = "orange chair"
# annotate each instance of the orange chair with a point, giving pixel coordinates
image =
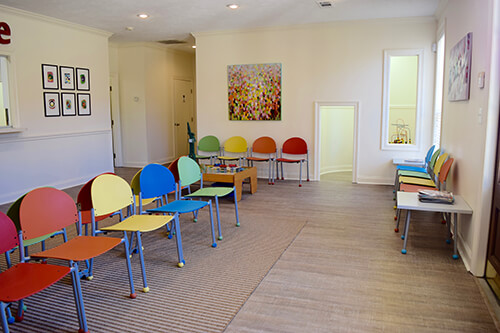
(46, 210)
(298, 148)
(264, 145)
(26, 279)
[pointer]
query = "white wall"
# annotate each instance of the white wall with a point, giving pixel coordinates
(337, 125)
(146, 73)
(327, 62)
(466, 136)
(61, 151)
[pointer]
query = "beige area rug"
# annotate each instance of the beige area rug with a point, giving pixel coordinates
(203, 296)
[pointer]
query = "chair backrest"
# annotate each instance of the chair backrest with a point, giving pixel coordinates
(429, 154)
(84, 198)
(439, 163)
(156, 181)
(434, 158)
(209, 143)
(110, 193)
(8, 234)
(189, 171)
(135, 184)
(174, 169)
(13, 212)
(264, 145)
(445, 169)
(46, 210)
(294, 146)
(236, 144)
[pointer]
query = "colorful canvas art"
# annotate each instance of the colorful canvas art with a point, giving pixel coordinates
(460, 65)
(254, 92)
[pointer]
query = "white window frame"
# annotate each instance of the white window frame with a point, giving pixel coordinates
(13, 104)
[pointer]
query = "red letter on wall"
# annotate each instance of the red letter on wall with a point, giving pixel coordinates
(4, 32)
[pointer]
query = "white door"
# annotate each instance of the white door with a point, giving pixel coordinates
(183, 113)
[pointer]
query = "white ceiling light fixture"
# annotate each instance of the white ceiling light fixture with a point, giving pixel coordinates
(233, 6)
(194, 46)
(143, 16)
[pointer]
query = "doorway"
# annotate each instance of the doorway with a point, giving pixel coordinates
(336, 142)
(183, 113)
(114, 103)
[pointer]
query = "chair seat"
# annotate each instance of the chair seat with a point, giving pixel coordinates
(417, 181)
(411, 168)
(201, 157)
(228, 158)
(80, 248)
(142, 223)
(414, 174)
(26, 279)
(258, 159)
(211, 192)
(288, 160)
(181, 206)
(415, 188)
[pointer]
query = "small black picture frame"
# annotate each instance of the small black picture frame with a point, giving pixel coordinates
(50, 76)
(82, 79)
(51, 104)
(84, 105)
(68, 104)
(67, 78)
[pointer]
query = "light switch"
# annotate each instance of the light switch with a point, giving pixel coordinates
(480, 80)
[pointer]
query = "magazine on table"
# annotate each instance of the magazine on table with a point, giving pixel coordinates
(436, 196)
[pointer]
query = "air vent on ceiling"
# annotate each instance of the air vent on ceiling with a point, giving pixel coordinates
(172, 41)
(325, 4)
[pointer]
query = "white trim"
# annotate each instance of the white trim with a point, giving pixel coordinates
(116, 128)
(55, 136)
(317, 137)
(10, 130)
(337, 168)
(384, 144)
(13, 96)
(66, 24)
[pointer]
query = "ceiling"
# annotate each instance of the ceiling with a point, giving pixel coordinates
(177, 19)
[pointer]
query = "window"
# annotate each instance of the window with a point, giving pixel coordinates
(401, 99)
(5, 119)
(438, 99)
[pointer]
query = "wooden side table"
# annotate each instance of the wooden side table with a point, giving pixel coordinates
(235, 178)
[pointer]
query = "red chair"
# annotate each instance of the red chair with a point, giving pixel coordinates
(26, 279)
(297, 147)
(266, 146)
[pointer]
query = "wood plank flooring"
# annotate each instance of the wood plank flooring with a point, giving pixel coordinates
(345, 273)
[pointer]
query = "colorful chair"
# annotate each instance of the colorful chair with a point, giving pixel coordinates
(295, 147)
(157, 181)
(235, 145)
(26, 279)
(190, 173)
(46, 210)
(264, 145)
(208, 144)
(111, 193)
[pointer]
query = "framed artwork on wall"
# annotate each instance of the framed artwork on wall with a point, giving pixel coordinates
(68, 104)
(50, 77)
(460, 66)
(83, 79)
(84, 108)
(254, 91)
(67, 76)
(51, 104)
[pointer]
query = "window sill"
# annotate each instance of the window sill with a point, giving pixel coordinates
(9, 130)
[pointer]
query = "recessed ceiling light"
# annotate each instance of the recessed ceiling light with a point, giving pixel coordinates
(143, 16)
(194, 46)
(233, 6)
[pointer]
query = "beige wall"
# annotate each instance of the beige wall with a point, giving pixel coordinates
(467, 135)
(59, 151)
(146, 73)
(329, 62)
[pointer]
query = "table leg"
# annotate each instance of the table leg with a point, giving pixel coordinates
(253, 184)
(407, 227)
(455, 235)
(238, 184)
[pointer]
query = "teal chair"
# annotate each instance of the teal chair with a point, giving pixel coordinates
(189, 173)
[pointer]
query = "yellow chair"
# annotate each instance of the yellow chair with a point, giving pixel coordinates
(111, 193)
(235, 145)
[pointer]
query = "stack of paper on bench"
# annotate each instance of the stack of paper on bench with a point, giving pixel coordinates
(436, 196)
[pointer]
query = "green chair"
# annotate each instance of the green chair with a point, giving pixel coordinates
(208, 144)
(189, 173)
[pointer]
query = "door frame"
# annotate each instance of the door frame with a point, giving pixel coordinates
(114, 110)
(193, 108)
(317, 137)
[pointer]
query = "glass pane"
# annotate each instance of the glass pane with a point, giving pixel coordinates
(4, 93)
(403, 88)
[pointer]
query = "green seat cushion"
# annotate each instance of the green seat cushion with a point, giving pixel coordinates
(211, 192)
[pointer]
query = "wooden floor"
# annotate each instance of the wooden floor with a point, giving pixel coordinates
(344, 271)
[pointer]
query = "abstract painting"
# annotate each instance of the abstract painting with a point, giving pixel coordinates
(254, 91)
(460, 64)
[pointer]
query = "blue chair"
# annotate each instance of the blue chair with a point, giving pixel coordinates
(157, 181)
(428, 157)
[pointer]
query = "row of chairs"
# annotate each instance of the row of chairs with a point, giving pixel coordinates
(46, 212)
(432, 176)
(263, 149)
